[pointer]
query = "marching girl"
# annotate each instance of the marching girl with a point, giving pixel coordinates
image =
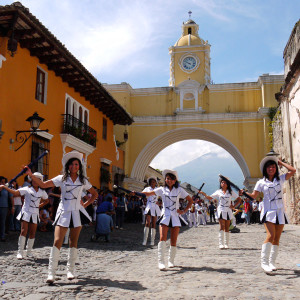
(272, 213)
(71, 211)
(170, 193)
(29, 214)
(193, 213)
(152, 211)
(224, 197)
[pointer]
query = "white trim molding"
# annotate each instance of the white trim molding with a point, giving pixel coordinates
(45, 135)
(2, 59)
(105, 160)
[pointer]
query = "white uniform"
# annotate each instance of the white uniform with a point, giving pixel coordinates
(224, 202)
(151, 203)
(32, 199)
(273, 208)
(200, 214)
(192, 216)
(70, 205)
(170, 200)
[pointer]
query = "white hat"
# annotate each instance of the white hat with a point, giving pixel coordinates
(39, 175)
(72, 154)
(166, 171)
(265, 159)
(149, 179)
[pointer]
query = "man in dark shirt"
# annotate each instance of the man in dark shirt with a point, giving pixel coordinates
(212, 209)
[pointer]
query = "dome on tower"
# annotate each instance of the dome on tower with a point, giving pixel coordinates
(189, 22)
(189, 40)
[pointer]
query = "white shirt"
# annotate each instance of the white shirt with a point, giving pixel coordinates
(71, 192)
(224, 200)
(32, 198)
(272, 192)
(151, 200)
(170, 199)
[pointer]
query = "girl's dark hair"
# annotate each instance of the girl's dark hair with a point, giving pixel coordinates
(270, 163)
(173, 177)
(66, 174)
(228, 186)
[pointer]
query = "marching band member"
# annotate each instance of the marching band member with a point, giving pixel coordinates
(170, 193)
(71, 212)
(29, 214)
(200, 215)
(224, 197)
(272, 212)
(192, 214)
(152, 211)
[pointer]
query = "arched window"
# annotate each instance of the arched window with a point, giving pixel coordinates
(74, 110)
(67, 106)
(80, 113)
(85, 117)
(189, 30)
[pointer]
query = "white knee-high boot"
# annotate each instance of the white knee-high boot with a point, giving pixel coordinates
(265, 254)
(221, 239)
(53, 262)
(30, 243)
(146, 232)
(273, 256)
(172, 253)
(21, 244)
(153, 233)
(72, 257)
(161, 255)
(226, 240)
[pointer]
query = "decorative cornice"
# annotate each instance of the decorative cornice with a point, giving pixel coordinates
(197, 117)
(105, 160)
(70, 141)
(45, 135)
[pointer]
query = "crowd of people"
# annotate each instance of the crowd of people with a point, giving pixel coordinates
(69, 202)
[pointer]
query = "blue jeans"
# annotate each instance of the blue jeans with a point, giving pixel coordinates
(247, 218)
(17, 223)
(3, 214)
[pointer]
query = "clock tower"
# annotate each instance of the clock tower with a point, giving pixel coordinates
(190, 57)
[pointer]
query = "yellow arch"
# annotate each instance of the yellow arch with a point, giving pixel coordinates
(180, 134)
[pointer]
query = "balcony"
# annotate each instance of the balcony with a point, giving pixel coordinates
(79, 130)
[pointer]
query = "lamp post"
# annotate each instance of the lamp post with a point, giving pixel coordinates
(21, 135)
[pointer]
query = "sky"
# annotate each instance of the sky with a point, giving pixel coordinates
(128, 41)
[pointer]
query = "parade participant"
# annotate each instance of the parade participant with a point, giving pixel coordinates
(29, 214)
(170, 193)
(192, 214)
(224, 197)
(71, 212)
(200, 213)
(152, 211)
(272, 213)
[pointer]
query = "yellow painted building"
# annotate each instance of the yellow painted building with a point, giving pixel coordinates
(232, 115)
(38, 74)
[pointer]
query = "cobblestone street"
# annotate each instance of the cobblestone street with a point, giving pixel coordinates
(124, 269)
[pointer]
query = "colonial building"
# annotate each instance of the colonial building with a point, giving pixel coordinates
(38, 74)
(232, 115)
(286, 124)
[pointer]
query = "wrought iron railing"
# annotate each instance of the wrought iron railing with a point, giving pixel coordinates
(79, 129)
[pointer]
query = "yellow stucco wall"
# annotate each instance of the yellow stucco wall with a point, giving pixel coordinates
(17, 99)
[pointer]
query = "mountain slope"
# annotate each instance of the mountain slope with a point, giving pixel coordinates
(206, 168)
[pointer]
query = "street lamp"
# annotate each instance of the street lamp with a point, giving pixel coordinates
(35, 120)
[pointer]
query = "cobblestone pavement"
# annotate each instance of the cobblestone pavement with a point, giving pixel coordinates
(124, 269)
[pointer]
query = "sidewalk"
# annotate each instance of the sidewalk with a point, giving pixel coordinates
(124, 269)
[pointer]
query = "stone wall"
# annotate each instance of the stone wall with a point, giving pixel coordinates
(286, 124)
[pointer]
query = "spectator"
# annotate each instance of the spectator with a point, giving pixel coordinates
(120, 210)
(212, 209)
(104, 225)
(27, 181)
(6, 201)
(45, 220)
(15, 223)
(247, 210)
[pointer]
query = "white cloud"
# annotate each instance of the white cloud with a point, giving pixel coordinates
(183, 152)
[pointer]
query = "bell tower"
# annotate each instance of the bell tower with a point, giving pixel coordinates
(190, 56)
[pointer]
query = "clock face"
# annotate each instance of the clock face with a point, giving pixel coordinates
(189, 63)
